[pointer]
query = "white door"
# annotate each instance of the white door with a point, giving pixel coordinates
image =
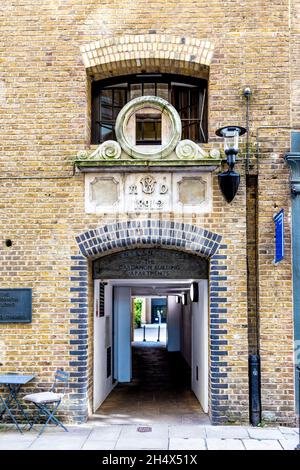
(122, 334)
(200, 345)
(103, 304)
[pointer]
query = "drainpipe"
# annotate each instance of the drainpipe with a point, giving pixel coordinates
(254, 359)
(247, 93)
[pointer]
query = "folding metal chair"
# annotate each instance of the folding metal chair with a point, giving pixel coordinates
(48, 402)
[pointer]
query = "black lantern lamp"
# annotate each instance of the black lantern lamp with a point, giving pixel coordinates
(229, 180)
(194, 292)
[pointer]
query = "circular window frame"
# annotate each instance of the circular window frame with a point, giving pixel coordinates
(135, 105)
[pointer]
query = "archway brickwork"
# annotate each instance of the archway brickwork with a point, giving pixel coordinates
(132, 233)
(137, 53)
(149, 233)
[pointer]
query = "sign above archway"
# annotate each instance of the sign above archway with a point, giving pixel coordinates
(154, 263)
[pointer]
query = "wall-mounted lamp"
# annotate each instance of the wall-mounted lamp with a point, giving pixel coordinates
(184, 299)
(194, 292)
(178, 299)
(229, 180)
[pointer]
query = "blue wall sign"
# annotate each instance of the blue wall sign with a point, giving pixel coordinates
(15, 305)
(279, 236)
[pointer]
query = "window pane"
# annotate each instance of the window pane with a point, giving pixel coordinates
(149, 89)
(119, 98)
(107, 131)
(139, 132)
(187, 98)
(181, 101)
(106, 105)
(148, 129)
(163, 91)
(194, 131)
(194, 100)
(135, 90)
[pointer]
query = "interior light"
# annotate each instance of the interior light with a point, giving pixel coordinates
(194, 292)
(184, 299)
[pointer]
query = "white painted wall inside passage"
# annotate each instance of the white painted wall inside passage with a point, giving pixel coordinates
(102, 340)
(173, 324)
(122, 334)
(186, 332)
(200, 345)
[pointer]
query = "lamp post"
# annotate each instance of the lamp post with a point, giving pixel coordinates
(229, 180)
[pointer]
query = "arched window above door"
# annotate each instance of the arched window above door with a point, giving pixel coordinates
(187, 95)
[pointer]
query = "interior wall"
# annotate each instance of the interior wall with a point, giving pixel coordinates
(174, 324)
(200, 345)
(186, 320)
(102, 340)
(122, 334)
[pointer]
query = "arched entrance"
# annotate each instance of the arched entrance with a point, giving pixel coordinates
(158, 370)
(181, 237)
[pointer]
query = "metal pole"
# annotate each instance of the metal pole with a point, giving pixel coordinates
(254, 389)
(298, 446)
(158, 337)
(144, 339)
(247, 93)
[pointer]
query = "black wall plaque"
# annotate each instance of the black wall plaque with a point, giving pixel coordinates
(156, 263)
(15, 305)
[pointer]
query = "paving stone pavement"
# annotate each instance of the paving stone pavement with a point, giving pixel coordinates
(96, 436)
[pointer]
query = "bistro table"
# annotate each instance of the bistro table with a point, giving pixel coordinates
(13, 382)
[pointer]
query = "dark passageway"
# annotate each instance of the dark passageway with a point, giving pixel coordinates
(158, 393)
(158, 371)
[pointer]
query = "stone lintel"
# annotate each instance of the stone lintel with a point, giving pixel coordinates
(138, 166)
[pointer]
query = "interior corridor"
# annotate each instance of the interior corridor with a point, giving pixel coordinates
(160, 391)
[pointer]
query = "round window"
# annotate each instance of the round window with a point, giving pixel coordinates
(148, 127)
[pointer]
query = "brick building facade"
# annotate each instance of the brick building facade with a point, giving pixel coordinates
(50, 54)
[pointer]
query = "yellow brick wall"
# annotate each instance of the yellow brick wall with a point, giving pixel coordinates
(44, 121)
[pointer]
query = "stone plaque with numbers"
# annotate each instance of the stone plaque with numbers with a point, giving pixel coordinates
(148, 192)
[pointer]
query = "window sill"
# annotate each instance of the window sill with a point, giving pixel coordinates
(203, 165)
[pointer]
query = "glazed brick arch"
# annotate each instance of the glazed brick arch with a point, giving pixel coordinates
(156, 234)
(134, 233)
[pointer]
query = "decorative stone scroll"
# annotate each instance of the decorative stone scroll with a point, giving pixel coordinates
(187, 149)
(109, 150)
